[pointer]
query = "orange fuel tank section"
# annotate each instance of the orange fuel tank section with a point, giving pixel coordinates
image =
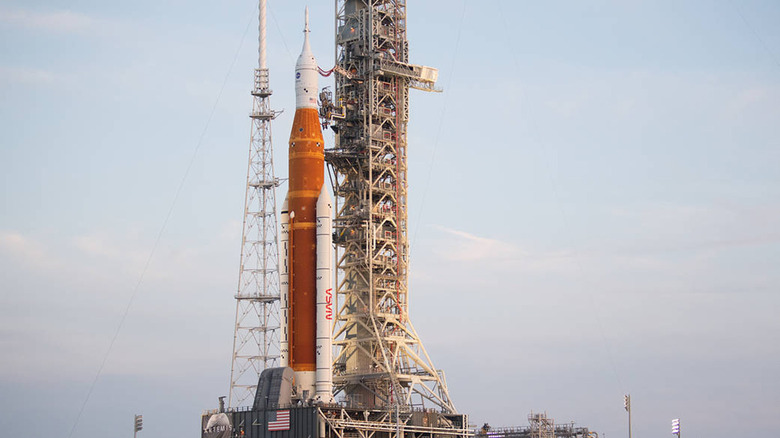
(306, 176)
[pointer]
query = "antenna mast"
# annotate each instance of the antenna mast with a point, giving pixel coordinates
(256, 337)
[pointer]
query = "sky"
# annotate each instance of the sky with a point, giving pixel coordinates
(594, 208)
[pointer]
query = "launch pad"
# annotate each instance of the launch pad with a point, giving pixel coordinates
(380, 382)
(336, 422)
(383, 381)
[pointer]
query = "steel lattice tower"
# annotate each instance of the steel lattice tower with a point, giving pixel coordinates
(381, 361)
(256, 338)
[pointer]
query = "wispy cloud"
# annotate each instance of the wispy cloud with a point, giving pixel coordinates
(463, 247)
(67, 292)
(756, 98)
(663, 227)
(566, 106)
(21, 247)
(28, 76)
(469, 247)
(53, 258)
(51, 21)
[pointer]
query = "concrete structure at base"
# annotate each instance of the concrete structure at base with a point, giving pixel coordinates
(277, 414)
(273, 416)
(333, 422)
(341, 422)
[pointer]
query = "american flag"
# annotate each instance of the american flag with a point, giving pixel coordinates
(282, 421)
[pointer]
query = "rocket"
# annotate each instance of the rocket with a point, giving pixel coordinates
(306, 245)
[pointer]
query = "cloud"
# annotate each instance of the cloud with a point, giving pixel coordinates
(51, 21)
(665, 227)
(716, 248)
(102, 261)
(754, 98)
(84, 255)
(466, 247)
(101, 245)
(28, 76)
(569, 105)
(494, 255)
(63, 295)
(24, 249)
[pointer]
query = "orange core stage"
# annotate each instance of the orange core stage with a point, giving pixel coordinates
(306, 178)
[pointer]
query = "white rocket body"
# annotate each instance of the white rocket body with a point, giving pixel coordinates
(284, 284)
(325, 301)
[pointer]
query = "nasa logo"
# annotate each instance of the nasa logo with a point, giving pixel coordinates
(297, 75)
(329, 304)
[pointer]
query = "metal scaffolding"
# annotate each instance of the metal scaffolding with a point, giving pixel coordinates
(539, 426)
(255, 341)
(381, 362)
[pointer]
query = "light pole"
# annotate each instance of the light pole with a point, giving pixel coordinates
(627, 405)
(676, 427)
(138, 424)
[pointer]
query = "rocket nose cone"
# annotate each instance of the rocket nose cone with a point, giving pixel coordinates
(323, 200)
(306, 74)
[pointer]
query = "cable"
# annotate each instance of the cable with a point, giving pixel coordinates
(325, 73)
(755, 34)
(281, 34)
(159, 236)
(441, 124)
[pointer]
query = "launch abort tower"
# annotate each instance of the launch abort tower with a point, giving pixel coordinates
(381, 362)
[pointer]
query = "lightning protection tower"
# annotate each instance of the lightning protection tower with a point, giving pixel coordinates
(255, 340)
(381, 362)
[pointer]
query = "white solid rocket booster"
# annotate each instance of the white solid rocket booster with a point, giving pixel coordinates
(325, 304)
(284, 284)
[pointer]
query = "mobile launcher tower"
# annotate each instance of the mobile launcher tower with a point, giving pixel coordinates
(381, 361)
(383, 381)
